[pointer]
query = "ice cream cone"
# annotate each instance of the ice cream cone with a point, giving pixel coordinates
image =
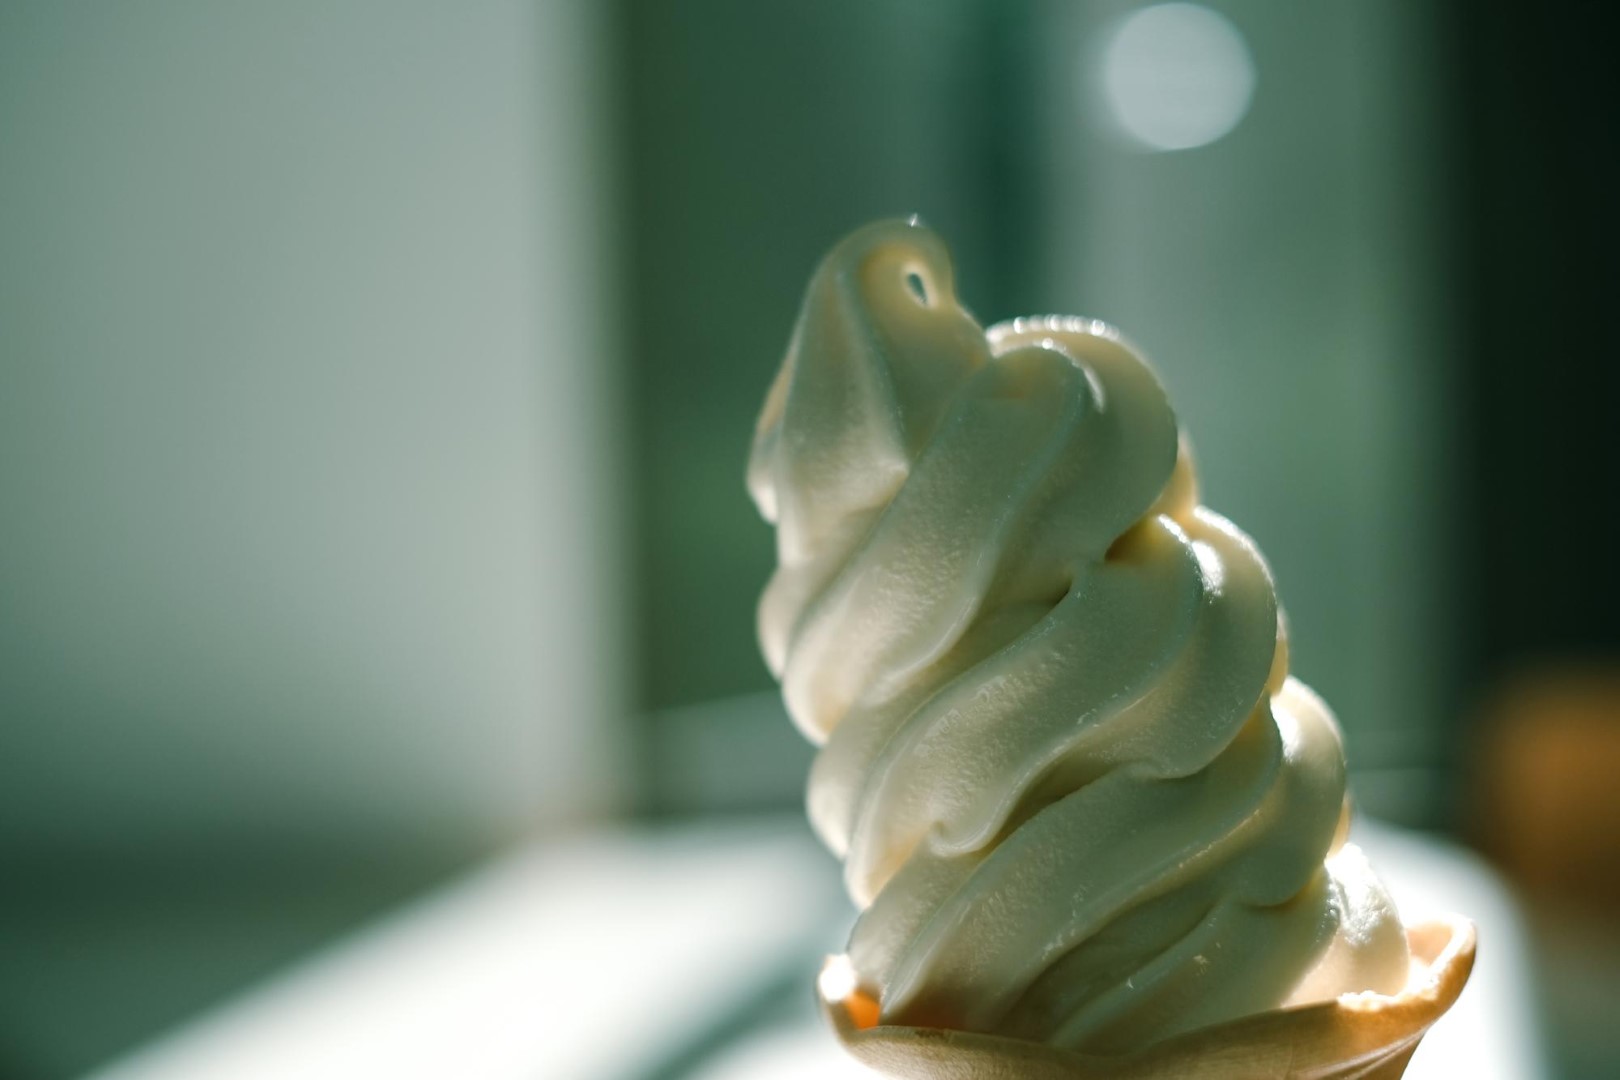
(1366, 1036)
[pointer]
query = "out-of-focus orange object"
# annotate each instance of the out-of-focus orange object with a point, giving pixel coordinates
(1547, 796)
(862, 1009)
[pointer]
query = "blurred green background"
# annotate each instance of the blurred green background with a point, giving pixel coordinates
(378, 379)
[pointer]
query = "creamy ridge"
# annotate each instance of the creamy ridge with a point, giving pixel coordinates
(1077, 795)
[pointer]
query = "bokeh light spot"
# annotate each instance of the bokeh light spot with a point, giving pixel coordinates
(1177, 76)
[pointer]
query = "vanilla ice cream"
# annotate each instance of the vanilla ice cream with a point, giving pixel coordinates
(1079, 799)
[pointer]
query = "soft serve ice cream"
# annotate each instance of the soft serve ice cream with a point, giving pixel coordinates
(1078, 797)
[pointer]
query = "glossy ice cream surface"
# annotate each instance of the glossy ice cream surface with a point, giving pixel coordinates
(1078, 797)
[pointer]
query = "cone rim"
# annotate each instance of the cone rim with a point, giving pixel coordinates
(1366, 1034)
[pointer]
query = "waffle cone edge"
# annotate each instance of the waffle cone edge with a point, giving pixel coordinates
(1365, 1036)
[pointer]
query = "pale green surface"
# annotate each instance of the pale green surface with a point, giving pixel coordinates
(99, 958)
(298, 443)
(304, 585)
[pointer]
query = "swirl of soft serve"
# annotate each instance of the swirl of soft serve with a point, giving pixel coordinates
(1078, 796)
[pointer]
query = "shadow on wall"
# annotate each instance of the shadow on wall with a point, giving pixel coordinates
(1266, 236)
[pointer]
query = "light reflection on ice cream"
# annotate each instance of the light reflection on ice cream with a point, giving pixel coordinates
(1077, 795)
